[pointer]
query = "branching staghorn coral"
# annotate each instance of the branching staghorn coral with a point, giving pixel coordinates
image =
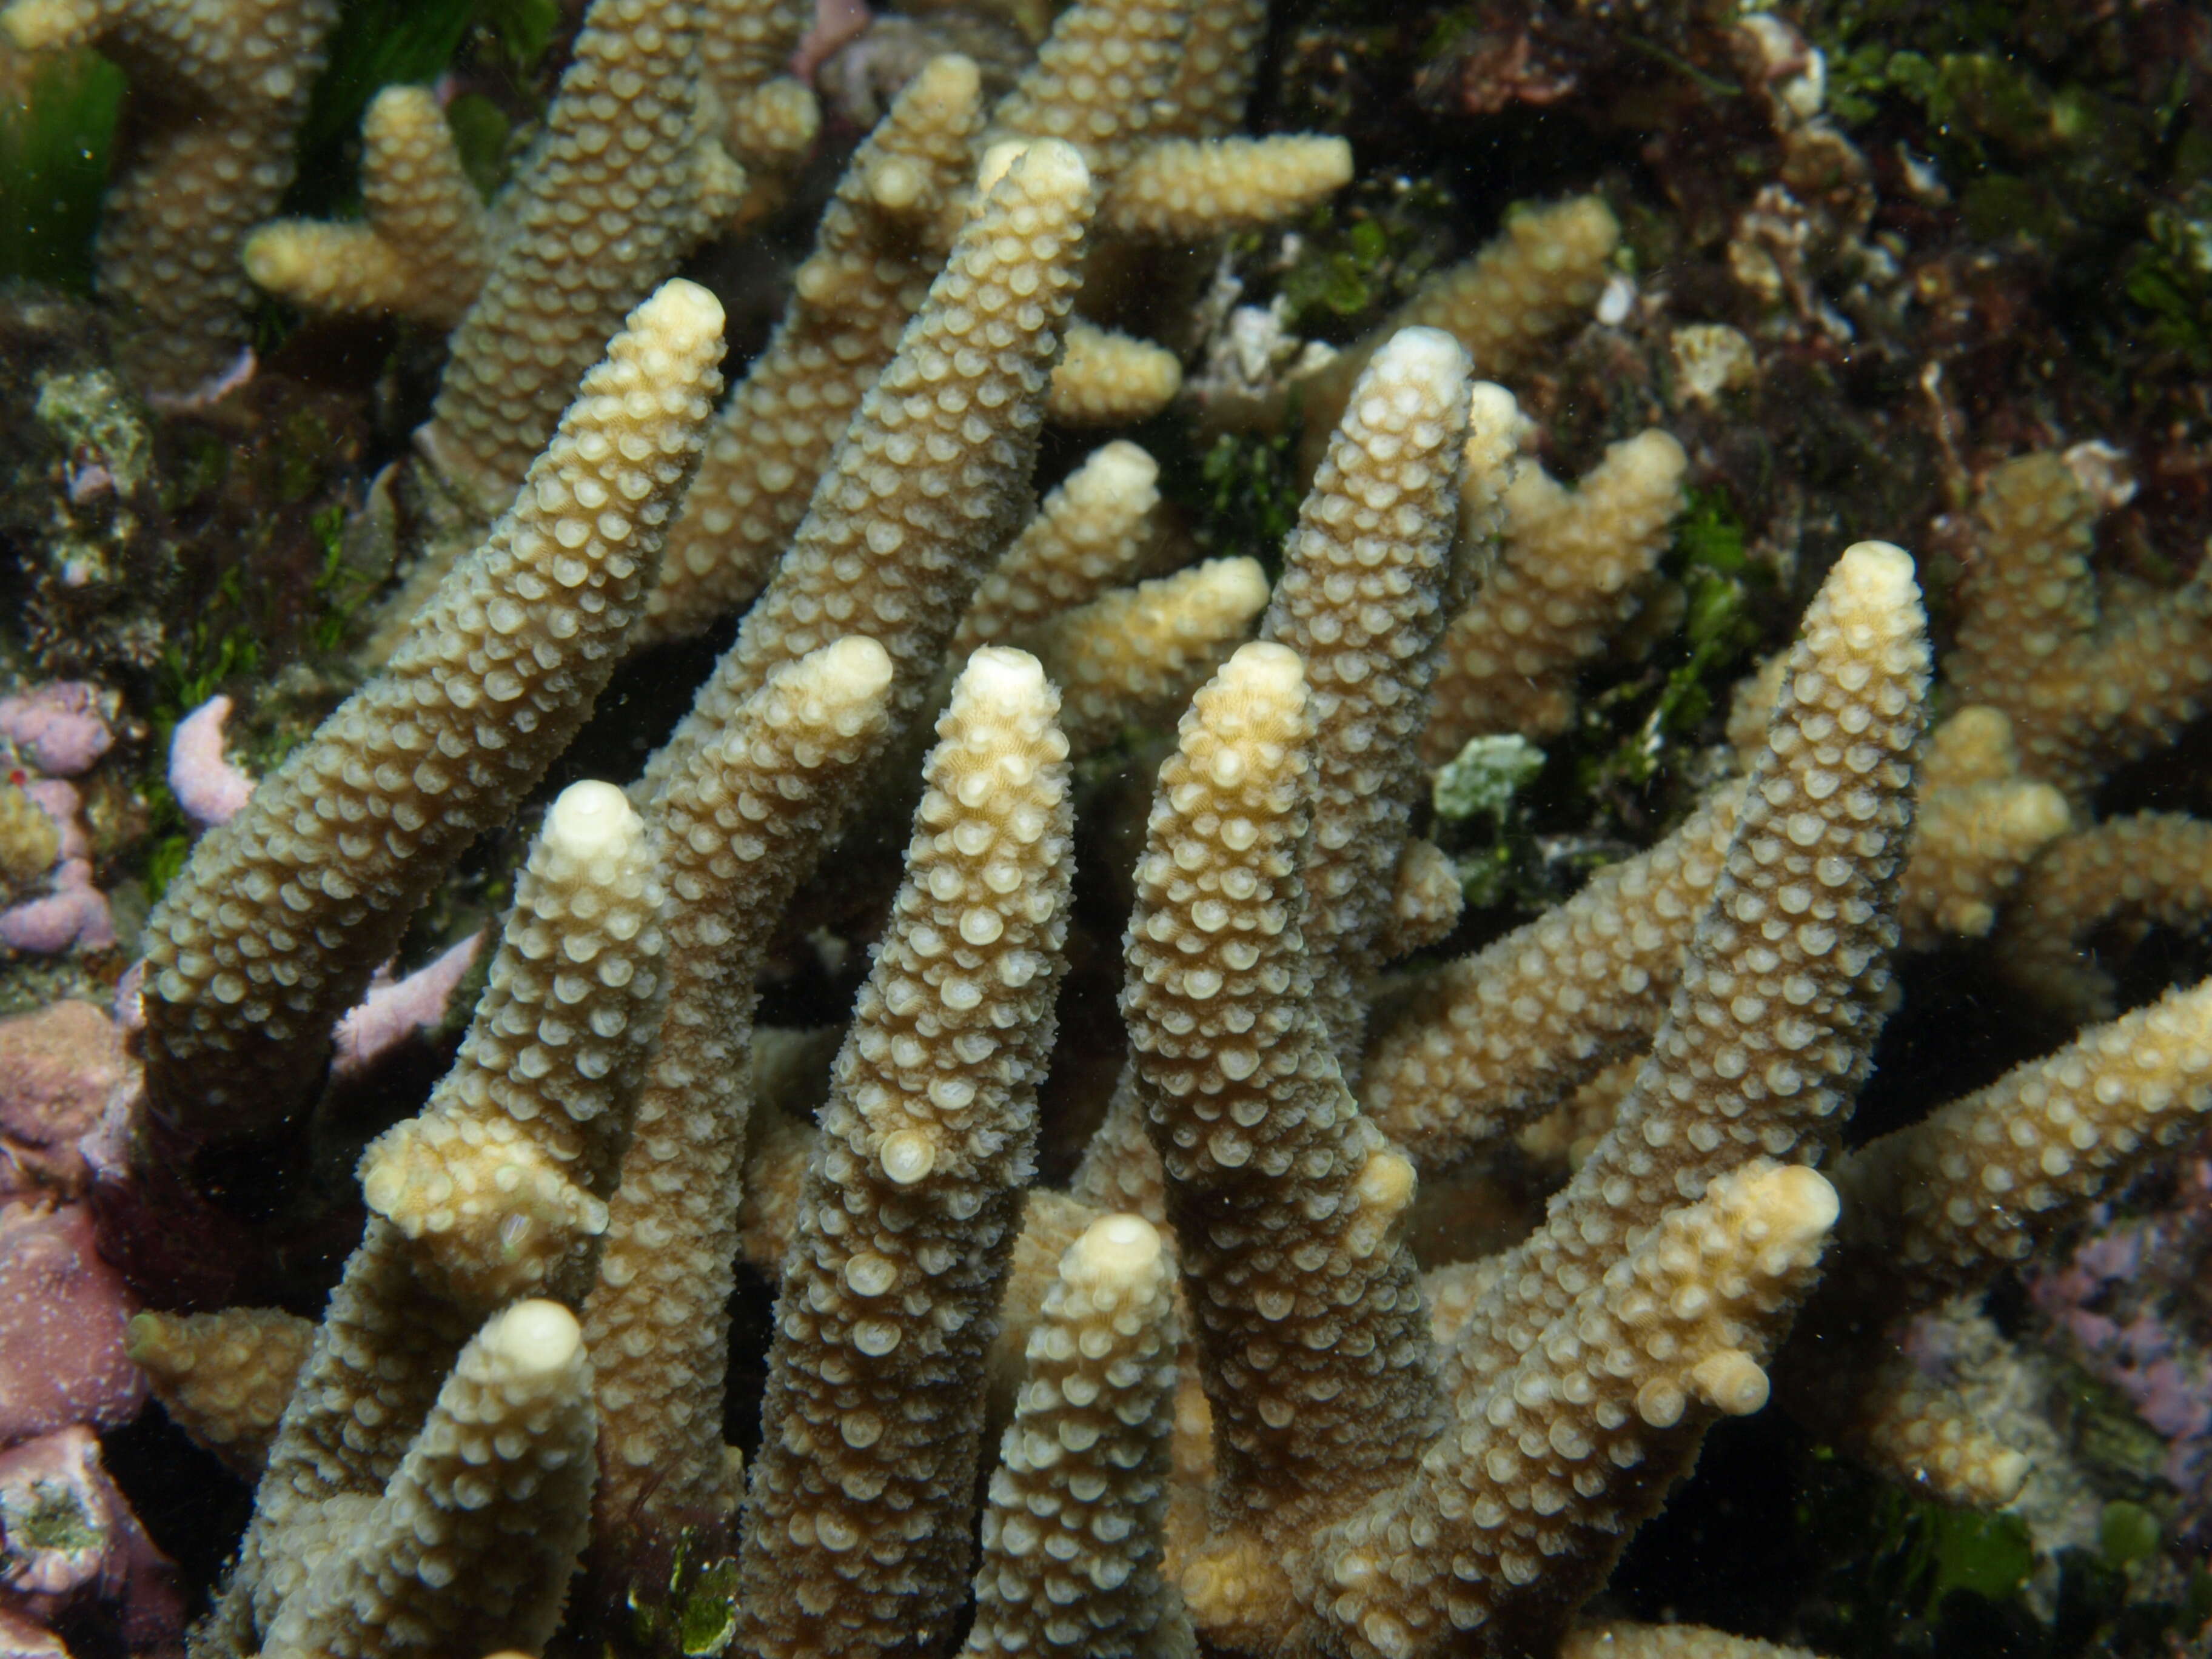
(2089, 678)
(2149, 869)
(854, 1534)
(624, 178)
(1297, 1450)
(1767, 1033)
(1104, 79)
(286, 911)
(220, 86)
(878, 245)
(1570, 573)
(1284, 1197)
(1390, 1461)
(660, 1312)
(421, 250)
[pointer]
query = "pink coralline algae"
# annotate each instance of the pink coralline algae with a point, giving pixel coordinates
(395, 1010)
(72, 914)
(57, 727)
(206, 785)
(63, 1310)
(835, 22)
(69, 1538)
(2125, 1300)
(57, 1067)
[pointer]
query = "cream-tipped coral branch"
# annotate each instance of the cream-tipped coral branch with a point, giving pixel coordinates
(282, 914)
(1545, 1467)
(538, 1088)
(2089, 678)
(875, 251)
(931, 480)
(1773, 1018)
(1285, 1199)
(1133, 657)
(736, 831)
(1361, 600)
(624, 179)
(422, 247)
(1071, 1547)
(1227, 184)
(1111, 379)
(495, 1494)
(501, 1181)
(1090, 533)
(854, 1534)
(1572, 573)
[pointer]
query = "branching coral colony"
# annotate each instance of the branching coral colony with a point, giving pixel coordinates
(1205, 1398)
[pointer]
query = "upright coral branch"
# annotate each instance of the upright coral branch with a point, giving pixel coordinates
(1286, 1201)
(494, 1499)
(1361, 600)
(1088, 533)
(855, 1539)
(2087, 681)
(1572, 573)
(276, 924)
(502, 1179)
(929, 483)
(878, 245)
(736, 832)
(1773, 1018)
(484, 1206)
(1071, 1559)
(624, 179)
(1519, 1509)
(422, 249)
(1100, 81)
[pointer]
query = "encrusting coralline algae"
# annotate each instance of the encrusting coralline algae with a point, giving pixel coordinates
(1365, 1281)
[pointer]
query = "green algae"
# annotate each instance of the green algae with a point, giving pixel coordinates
(57, 127)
